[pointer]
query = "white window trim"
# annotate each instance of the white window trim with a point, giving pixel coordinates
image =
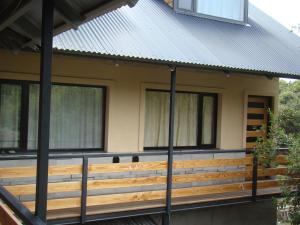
(194, 13)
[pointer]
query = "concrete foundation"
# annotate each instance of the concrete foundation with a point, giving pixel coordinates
(258, 213)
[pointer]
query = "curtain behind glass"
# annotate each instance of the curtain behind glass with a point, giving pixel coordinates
(186, 119)
(229, 9)
(157, 119)
(76, 117)
(10, 110)
(207, 120)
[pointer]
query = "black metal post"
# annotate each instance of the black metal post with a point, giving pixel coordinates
(85, 164)
(254, 177)
(167, 215)
(44, 110)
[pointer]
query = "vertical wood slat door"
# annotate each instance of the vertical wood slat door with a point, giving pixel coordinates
(257, 117)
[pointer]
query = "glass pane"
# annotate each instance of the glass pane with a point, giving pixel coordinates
(228, 9)
(33, 116)
(157, 119)
(10, 110)
(76, 117)
(208, 120)
(186, 119)
(185, 4)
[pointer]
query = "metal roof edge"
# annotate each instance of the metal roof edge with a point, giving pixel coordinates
(174, 63)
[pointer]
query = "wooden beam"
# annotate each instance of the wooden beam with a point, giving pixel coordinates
(19, 172)
(10, 17)
(28, 29)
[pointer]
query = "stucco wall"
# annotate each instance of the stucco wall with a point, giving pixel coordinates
(126, 87)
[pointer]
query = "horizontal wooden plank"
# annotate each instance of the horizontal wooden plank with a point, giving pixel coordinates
(127, 167)
(258, 133)
(180, 164)
(256, 111)
(282, 159)
(20, 172)
(7, 217)
(29, 189)
(250, 145)
(272, 172)
(188, 164)
(255, 122)
(101, 200)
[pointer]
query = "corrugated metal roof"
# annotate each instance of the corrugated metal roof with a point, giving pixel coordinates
(142, 220)
(155, 32)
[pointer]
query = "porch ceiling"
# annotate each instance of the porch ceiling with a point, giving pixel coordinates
(20, 20)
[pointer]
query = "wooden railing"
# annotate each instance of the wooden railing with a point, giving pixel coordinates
(116, 187)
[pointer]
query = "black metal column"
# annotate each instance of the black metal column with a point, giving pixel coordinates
(44, 110)
(254, 176)
(167, 215)
(84, 181)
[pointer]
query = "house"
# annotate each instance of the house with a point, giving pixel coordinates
(114, 122)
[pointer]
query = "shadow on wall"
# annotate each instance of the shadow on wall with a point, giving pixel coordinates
(256, 213)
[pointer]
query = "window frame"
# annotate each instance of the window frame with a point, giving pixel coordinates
(199, 146)
(24, 117)
(217, 18)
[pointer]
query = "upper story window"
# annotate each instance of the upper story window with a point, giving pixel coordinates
(225, 10)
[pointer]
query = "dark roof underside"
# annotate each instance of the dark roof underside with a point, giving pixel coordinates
(152, 31)
(20, 20)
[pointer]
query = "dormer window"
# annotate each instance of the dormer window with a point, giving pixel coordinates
(235, 11)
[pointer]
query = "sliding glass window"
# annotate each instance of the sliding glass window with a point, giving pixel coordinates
(195, 120)
(10, 115)
(77, 117)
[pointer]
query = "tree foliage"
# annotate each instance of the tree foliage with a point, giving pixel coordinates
(285, 129)
(289, 107)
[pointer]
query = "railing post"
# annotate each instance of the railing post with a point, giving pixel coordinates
(254, 177)
(85, 170)
(167, 215)
(44, 110)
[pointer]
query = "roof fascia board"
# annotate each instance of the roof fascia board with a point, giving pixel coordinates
(178, 64)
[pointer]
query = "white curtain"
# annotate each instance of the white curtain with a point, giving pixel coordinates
(157, 119)
(10, 110)
(185, 4)
(76, 117)
(186, 120)
(229, 9)
(207, 120)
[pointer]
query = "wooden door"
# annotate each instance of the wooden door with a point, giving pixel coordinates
(257, 117)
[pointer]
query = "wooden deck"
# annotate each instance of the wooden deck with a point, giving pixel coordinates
(225, 179)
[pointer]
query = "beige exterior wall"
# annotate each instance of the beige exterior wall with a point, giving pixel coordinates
(126, 86)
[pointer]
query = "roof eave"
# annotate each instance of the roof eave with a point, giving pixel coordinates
(268, 74)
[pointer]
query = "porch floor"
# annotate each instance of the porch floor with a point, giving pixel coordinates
(108, 209)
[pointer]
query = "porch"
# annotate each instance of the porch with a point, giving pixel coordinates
(107, 186)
